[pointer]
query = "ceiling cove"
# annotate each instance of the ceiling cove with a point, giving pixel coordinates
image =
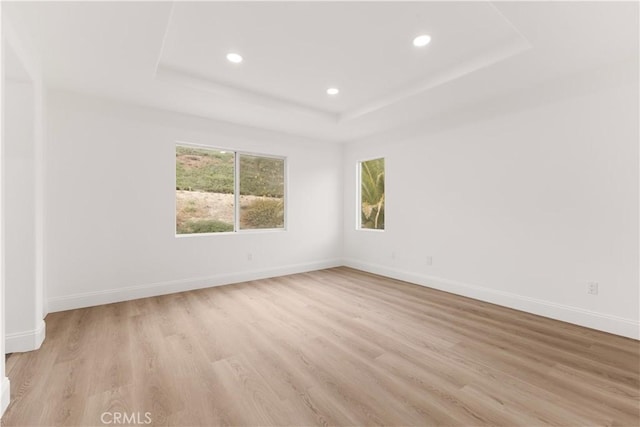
(293, 52)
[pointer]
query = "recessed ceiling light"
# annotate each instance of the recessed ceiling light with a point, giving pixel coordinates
(234, 57)
(333, 91)
(422, 40)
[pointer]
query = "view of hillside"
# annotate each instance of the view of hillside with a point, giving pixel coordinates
(205, 191)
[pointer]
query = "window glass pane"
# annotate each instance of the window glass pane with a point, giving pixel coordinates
(261, 192)
(204, 190)
(372, 194)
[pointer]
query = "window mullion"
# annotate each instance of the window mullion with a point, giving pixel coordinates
(236, 193)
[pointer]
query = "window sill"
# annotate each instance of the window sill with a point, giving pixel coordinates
(230, 233)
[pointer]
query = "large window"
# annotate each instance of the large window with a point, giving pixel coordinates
(371, 189)
(225, 191)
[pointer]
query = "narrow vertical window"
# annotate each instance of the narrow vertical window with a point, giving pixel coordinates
(262, 192)
(372, 200)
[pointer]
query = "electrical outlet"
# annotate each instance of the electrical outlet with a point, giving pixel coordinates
(393, 255)
(249, 256)
(429, 260)
(592, 288)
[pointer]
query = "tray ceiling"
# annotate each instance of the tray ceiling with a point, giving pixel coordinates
(172, 56)
(294, 51)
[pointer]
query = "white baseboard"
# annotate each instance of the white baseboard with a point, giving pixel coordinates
(90, 299)
(18, 342)
(579, 316)
(5, 395)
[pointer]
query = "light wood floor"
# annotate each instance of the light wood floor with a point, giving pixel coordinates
(333, 347)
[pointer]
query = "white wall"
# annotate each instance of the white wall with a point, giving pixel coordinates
(24, 326)
(21, 274)
(110, 214)
(521, 209)
(4, 381)
(23, 140)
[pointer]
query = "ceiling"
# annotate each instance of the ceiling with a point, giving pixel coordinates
(172, 55)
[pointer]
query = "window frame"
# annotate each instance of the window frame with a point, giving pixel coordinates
(359, 194)
(236, 191)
